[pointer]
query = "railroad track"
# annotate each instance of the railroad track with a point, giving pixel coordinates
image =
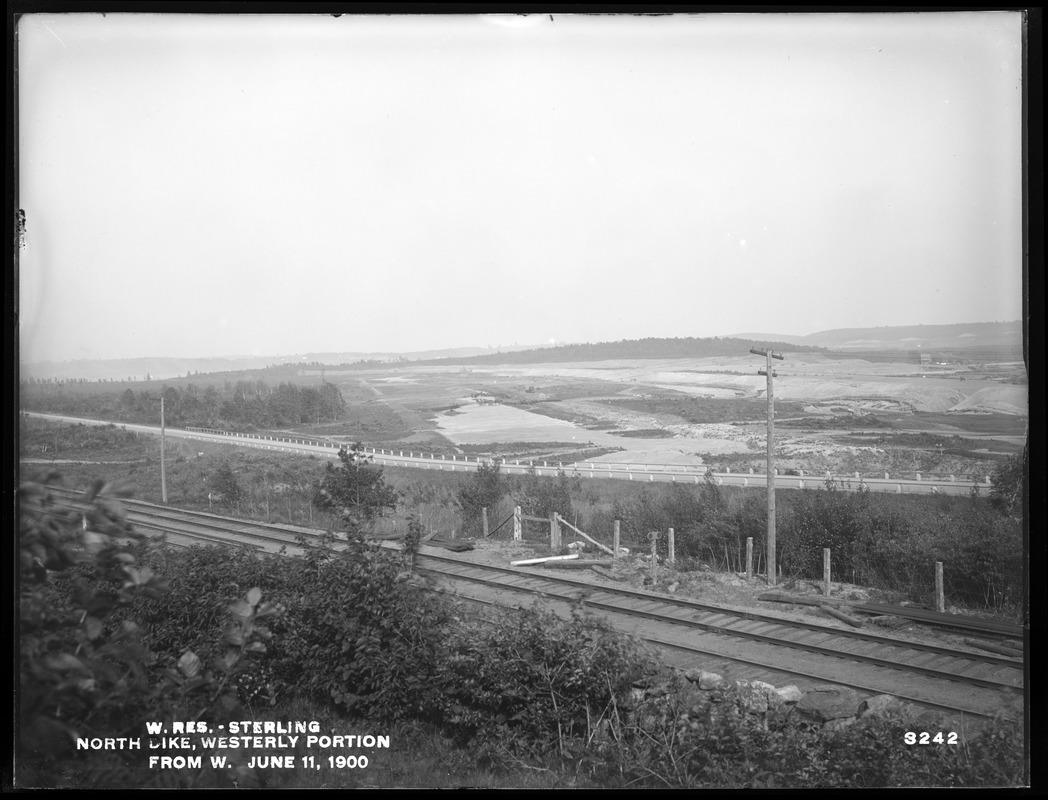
(737, 643)
(752, 643)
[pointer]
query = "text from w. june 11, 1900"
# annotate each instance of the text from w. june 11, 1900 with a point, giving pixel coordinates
(265, 745)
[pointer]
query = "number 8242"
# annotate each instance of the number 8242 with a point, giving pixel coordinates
(929, 738)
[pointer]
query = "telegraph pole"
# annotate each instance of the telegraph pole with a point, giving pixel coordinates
(163, 470)
(770, 373)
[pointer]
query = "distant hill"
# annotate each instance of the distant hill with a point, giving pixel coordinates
(631, 349)
(1004, 336)
(981, 341)
(158, 368)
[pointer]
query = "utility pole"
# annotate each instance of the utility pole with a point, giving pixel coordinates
(163, 470)
(770, 373)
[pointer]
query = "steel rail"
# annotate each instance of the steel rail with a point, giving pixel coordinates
(691, 604)
(725, 630)
(694, 650)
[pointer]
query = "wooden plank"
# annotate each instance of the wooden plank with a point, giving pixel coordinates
(587, 537)
(529, 561)
(578, 564)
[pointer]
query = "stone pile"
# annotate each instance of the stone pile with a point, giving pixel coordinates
(826, 706)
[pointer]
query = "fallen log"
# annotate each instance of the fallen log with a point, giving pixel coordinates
(528, 561)
(456, 546)
(1001, 649)
(833, 612)
(607, 573)
(782, 597)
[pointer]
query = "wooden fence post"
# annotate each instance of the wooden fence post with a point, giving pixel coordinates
(749, 558)
(940, 600)
(669, 545)
(516, 524)
(826, 571)
(653, 537)
(484, 520)
(615, 539)
(554, 532)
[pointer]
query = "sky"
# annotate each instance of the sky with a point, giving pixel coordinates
(217, 185)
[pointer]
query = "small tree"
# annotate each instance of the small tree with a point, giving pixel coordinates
(356, 489)
(539, 496)
(483, 490)
(226, 484)
(1008, 485)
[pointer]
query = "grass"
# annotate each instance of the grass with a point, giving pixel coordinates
(419, 757)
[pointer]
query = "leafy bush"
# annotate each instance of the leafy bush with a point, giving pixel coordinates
(87, 669)
(540, 496)
(817, 519)
(1009, 485)
(484, 489)
(529, 683)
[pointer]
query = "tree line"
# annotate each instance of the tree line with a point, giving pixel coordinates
(243, 404)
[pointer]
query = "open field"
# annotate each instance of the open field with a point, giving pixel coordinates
(837, 414)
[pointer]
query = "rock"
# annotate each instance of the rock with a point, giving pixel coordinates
(829, 702)
(879, 705)
(789, 694)
(673, 586)
(753, 696)
(707, 681)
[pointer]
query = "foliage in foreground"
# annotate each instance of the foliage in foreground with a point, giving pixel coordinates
(86, 668)
(108, 644)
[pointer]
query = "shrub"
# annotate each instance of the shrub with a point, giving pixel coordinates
(529, 683)
(87, 668)
(540, 496)
(484, 489)
(822, 518)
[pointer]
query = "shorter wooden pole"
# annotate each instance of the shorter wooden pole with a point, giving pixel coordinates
(615, 539)
(940, 600)
(826, 571)
(749, 558)
(669, 543)
(484, 520)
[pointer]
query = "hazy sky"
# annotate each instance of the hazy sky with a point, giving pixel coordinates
(221, 185)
